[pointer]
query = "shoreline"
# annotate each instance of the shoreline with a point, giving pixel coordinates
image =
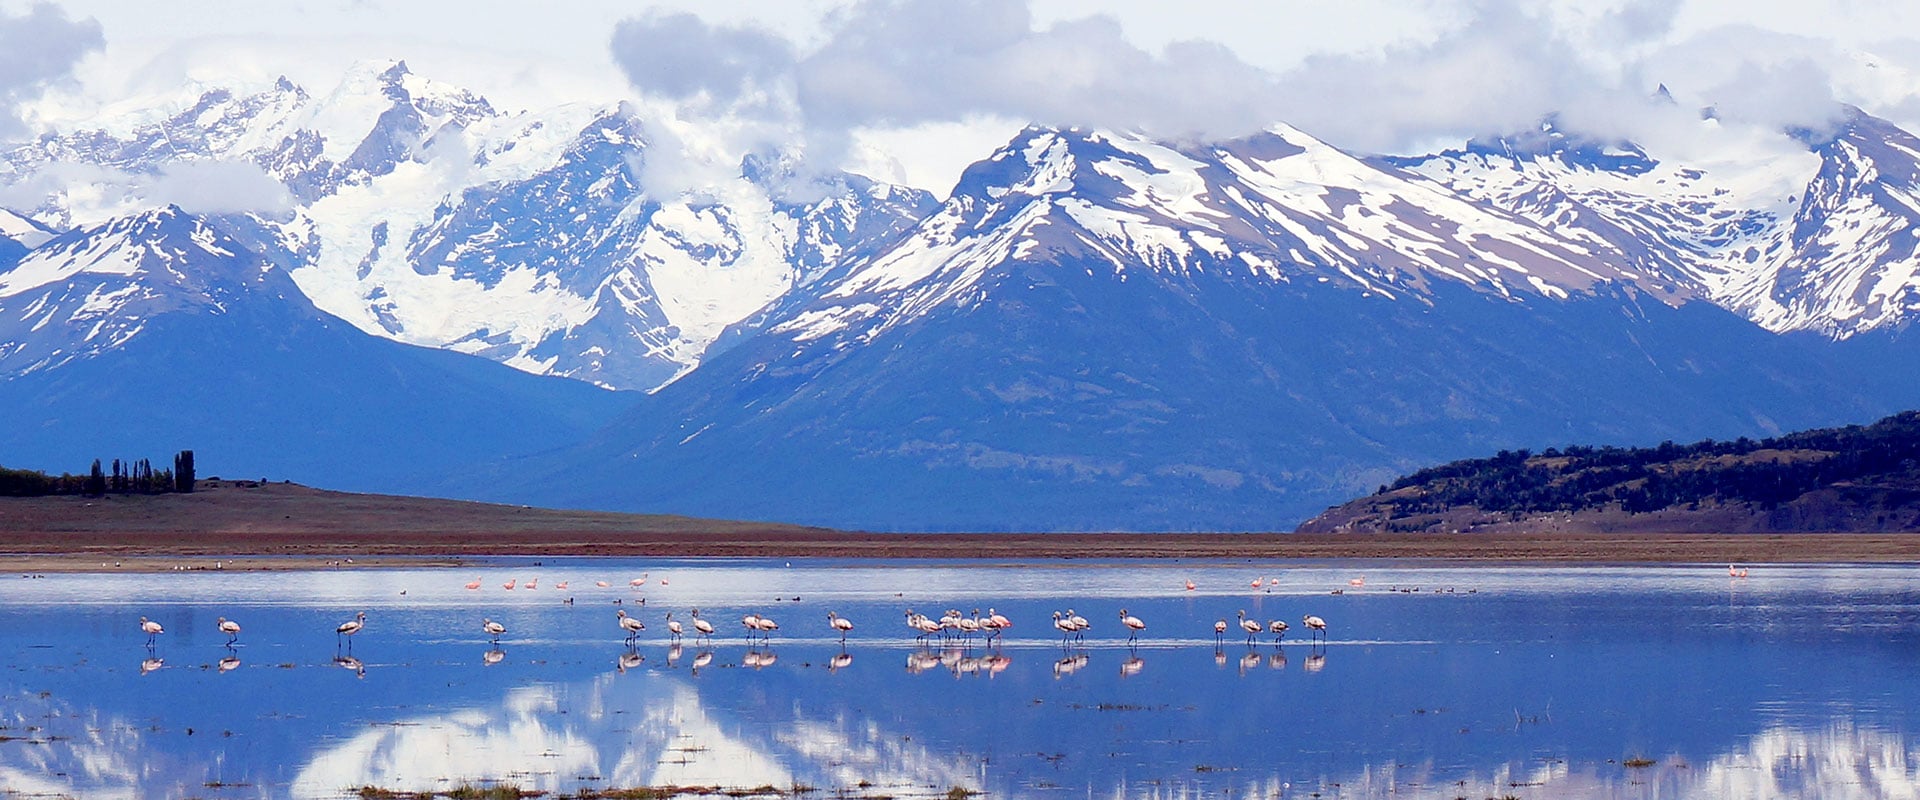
(256, 551)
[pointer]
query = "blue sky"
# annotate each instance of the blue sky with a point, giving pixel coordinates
(930, 84)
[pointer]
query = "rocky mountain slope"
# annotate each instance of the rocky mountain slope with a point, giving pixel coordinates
(1094, 330)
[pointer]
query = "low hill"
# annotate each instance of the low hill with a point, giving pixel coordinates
(1856, 478)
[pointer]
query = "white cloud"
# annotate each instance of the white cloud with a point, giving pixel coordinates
(38, 49)
(216, 187)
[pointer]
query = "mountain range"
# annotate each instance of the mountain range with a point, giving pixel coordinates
(1093, 330)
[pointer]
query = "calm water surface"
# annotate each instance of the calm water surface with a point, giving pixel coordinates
(1532, 682)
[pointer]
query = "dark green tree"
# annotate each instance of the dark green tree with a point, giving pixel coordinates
(183, 471)
(96, 480)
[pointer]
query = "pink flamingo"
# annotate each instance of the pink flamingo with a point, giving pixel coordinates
(473, 584)
(1134, 625)
(510, 584)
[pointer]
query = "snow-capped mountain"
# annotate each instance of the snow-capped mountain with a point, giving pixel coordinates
(1096, 331)
(1823, 241)
(419, 212)
(155, 332)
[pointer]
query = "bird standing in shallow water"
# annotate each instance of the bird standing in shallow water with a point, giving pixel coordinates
(1134, 625)
(673, 627)
(1251, 626)
(701, 626)
(493, 629)
(228, 627)
(632, 626)
(349, 628)
(1278, 628)
(151, 629)
(841, 624)
(1316, 625)
(1219, 630)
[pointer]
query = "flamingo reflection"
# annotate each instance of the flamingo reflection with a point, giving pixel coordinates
(492, 657)
(229, 664)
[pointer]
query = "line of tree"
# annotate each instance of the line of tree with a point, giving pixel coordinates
(122, 477)
(1765, 473)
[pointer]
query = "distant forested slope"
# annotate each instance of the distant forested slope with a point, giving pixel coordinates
(1835, 479)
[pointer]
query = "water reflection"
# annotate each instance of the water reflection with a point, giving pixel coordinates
(1793, 689)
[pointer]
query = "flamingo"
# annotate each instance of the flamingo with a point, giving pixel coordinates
(1080, 624)
(601, 584)
(228, 627)
(1251, 626)
(1315, 624)
(151, 629)
(493, 629)
(531, 583)
(1736, 573)
(752, 623)
(968, 625)
(473, 584)
(562, 586)
(1134, 625)
(702, 626)
(511, 582)
(632, 626)
(349, 628)
(638, 582)
(1357, 581)
(1278, 628)
(673, 627)
(841, 624)
(766, 626)
(1063, 624)
(1258, 582)
(1190, 584)
(1219, 630)
(998, 620)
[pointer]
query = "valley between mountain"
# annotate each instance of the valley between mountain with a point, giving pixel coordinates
(246, 525)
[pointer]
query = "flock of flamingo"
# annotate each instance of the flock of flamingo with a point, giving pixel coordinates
(952, 628)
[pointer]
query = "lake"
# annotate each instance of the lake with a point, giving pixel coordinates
(1432, 681)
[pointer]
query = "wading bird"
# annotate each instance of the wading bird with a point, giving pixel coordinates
(512, 582)
(228, 627)
(1134, 625)
(673, 627)
(1251, 626)
(493, 629)
(638, 582)
(1219, 630)
(1316, 625)
(1064, 625)
(1080, 624)
(474, 584)
(632, 626)
(349, 628)
(151, 629)
(703, 627)
(1278, 628)
(766, 626)
(841, 624)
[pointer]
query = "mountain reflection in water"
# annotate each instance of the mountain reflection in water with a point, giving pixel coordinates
(1540, 683)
